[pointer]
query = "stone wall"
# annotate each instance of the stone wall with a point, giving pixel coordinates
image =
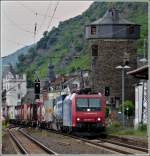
(111, 54)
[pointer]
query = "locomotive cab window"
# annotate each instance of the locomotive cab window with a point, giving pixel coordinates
(94, 50)
(85, 104)
(131, 29)
(93, 30)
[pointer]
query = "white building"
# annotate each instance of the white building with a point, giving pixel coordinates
(141, 95)
(16, 88)
(141, 103)
(77, 82)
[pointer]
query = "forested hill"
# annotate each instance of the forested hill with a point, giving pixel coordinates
(13, 58)
(68, 40)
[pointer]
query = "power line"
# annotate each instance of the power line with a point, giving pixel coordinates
(36, 13)
(45, 16)
(29, 9)
(53, 14)
(13, 23)
(17, 43)
(33, 11)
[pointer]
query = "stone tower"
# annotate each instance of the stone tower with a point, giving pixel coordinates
(113, 43)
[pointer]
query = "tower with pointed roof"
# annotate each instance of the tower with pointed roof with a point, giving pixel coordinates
(113, 42)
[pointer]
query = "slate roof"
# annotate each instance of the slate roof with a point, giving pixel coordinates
(112, 16)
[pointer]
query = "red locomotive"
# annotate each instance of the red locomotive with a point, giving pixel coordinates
(81, 113)
(74, 112)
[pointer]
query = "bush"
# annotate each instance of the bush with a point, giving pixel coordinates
(128, 104)
(114, 127)
(116, 124)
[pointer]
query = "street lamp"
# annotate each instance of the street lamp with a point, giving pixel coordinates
(123, 71)
(127, 112)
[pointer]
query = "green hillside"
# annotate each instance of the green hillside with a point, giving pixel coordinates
(61, 44)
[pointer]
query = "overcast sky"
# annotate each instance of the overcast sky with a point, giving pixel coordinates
(18, 20)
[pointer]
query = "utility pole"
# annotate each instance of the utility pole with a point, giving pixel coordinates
(123, 88)
(123, 96)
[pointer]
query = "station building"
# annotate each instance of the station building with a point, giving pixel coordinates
(141, 95)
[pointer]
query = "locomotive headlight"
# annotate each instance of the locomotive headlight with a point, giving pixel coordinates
(98, 119)
(78, 119)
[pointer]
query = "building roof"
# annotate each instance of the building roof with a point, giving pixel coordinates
(140, 73)
(8, 69)
(112, 16)
(61, 79)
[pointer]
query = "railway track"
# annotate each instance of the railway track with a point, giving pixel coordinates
(115, 146)
(117, 142)
(27, 144)
(127, 140)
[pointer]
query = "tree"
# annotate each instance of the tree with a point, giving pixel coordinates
(45, 34)
(128, 108)
(21, 58)
(30, 77)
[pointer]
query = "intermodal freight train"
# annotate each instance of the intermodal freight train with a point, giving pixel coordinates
(74, 112)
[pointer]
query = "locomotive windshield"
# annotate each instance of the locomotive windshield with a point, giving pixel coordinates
(88, 104)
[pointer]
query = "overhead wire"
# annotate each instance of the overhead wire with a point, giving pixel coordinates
(36, 13)
(35, 26)
(33, 11)
(29, 9)
(17, 43)
(45, 16)
(53, 14)
(13, 23)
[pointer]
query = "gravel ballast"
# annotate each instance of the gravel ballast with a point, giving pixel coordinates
(64, 144)
(7, 144)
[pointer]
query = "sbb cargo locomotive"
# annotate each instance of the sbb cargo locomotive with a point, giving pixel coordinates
(74, 112)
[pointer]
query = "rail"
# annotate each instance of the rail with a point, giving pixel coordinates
(25, 150)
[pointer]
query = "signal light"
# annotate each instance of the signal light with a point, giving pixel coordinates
(37, 87)
(107, 91)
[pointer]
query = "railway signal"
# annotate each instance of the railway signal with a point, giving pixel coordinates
(37, 89)
(107, 91)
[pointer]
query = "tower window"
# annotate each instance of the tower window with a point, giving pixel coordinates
(131, 29)
(94, 50)
(93, 30)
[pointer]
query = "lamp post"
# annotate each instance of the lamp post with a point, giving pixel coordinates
(123, 72)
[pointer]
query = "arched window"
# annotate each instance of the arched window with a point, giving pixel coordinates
(94, 50)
